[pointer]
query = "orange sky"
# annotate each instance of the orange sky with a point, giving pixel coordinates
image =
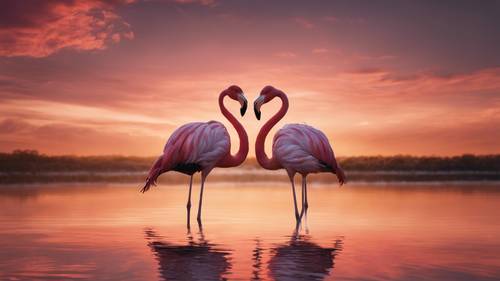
(117, 77)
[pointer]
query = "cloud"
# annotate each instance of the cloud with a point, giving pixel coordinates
(416, 114)
(422, 113)
(42, 28)
(12, 125)
(58, 128)
(45, 112)
(431, 139)
(61, 138)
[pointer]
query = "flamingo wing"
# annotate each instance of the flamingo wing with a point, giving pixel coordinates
(192, 147)
(198, 143)
(303, 149)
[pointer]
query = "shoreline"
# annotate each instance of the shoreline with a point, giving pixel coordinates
(249, 176)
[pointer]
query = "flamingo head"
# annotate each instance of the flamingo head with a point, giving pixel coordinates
(235, 93)
(266, 95)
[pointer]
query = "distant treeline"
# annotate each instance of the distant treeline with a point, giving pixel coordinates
(465, 162)
(33, 162)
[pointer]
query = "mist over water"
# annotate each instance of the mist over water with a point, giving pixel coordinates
(357, 232)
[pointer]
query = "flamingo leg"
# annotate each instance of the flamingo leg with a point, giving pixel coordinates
(201, 198)
(304, 187)
(303, 196)
(305, 205)
(297, 217)
(188, 205)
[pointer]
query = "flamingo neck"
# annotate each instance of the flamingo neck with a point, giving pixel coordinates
(260, 152)
(241, 155)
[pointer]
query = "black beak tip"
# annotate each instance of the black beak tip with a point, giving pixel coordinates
(243, 109)
(257, 114)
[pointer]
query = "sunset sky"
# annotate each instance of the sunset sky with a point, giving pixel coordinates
(378, 77)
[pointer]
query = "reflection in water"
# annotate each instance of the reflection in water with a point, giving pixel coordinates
(301, 259)
(198, 260)
(257, 261)
(396, 232)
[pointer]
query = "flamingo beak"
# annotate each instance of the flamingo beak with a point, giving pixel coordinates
(256, 106)
(257, 113)
(243, 102)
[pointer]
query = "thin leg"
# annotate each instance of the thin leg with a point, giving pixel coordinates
(188, 205)
(304, 186)
(302, 190)
(297, 217)
(201, 199)
(306, 205)
(296, 230)
(302, 199)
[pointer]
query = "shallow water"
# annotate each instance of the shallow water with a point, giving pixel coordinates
(357, 232)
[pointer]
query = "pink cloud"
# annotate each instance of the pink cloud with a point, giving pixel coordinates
(420, 114)
(80, 25)
(61, 138)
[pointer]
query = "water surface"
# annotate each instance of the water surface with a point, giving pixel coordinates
(358, 232)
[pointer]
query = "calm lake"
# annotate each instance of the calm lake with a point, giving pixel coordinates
(357, 232)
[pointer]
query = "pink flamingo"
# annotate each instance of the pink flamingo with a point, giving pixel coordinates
(297, 148)
(200, 147)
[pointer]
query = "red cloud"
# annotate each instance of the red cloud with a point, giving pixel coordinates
(45, 27)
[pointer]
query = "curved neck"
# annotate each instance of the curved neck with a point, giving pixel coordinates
(241, 155)
(260, 152)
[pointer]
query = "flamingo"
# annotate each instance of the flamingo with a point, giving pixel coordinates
(200, 147)
(297, 148)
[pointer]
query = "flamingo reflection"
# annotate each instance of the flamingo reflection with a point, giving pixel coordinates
(257, 261)
(301, 259)
(197, 260)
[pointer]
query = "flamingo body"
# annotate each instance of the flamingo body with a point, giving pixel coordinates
(297, 148)
(193, 147)
(196, 147)
(303, 149)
